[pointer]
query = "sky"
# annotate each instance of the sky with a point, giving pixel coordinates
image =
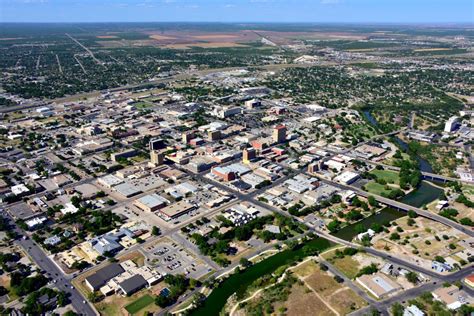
(319, 11)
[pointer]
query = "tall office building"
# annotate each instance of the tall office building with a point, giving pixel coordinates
(187, 136)
(214, 135)
(156, 144)
(248, 155)
(157, 157)
(279, 134)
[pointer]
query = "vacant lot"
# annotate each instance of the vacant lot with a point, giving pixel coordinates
(336, 295)
(303, 302)
(322, 283)
(422, 241)
(306, 269)
(346, 301)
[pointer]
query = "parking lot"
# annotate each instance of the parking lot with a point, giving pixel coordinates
(169, 257)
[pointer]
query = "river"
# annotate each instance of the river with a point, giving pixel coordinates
(424, 194)
(425, 166)
(238, 283)
(385, 215)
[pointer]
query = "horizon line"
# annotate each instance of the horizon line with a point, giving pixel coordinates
(247, 22)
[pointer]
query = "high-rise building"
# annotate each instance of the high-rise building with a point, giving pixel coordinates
(248, 155)
(156, 144)
(157, 157)
(279, 134)
(214, 135)
(187, 136)
(452, 124)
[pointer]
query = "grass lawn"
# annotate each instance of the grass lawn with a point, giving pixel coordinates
(375, 188)
(388, 175)
(139, 304)
(348, 266)
(468, 189)
(142, 105)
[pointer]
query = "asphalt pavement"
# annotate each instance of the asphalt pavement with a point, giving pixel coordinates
(52, 271)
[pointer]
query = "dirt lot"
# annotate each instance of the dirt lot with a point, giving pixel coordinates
(346, 301)
(421, 238)
(338, 296)
(322, 282)
(302, 303)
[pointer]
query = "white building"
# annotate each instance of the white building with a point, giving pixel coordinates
(452, 124)
(412, 310)
(45, 111)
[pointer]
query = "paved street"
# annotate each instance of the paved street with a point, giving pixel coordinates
(80, 304)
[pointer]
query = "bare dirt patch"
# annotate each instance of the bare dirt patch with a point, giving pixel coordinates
(322, 283)
(346, 301)
(215, 36)
(302, 302)
(161, 37)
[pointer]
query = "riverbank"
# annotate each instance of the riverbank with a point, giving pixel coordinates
(239, 282)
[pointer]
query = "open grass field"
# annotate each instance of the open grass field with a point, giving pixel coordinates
(139, 304)
(376, 188)
(306, 269)
(468, 190)
(348, 266)
(388, 175)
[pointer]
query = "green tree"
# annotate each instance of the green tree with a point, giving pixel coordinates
(397, 309)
